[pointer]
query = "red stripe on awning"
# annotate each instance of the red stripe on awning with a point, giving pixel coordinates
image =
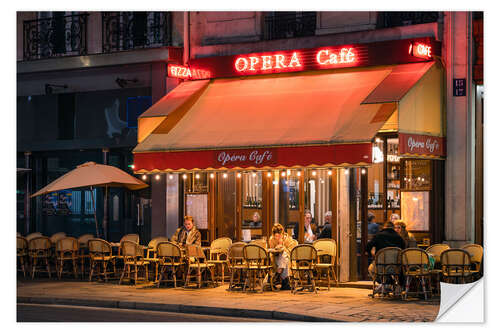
(303, 156)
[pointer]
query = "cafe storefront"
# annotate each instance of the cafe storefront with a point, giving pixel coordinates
(258, 139)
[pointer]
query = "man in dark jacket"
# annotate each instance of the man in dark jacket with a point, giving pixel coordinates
(387, 237)
(326, 232)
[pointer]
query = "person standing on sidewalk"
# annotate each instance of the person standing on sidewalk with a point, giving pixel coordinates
(187, 234)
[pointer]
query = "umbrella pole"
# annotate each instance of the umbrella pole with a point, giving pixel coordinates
(105, 217)
(95, 216)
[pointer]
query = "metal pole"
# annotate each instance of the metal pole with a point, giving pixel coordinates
(95, 216)
(27, 194)
(105, 152)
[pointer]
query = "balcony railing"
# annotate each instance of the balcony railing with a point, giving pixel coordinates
(397, 19)
(56, 36)
(123, 31)
(289, 24)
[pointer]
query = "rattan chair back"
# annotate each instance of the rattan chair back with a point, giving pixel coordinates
(223, 243)
(455, 262)
(99, 247)
(303, 255)
(388, 261)
(22, 246)
(195, 252)
(130, 249)
(436, 249)
(131, 238)
(476, 253)
(57, 236)
(83, 240)
(33, 235)
(415, 261)
(154, 242)
(260, 242)
(67, 244)
(255, 255)
(235, 254)
(40, 243)
(326, 248)
(293, 243)
(167, 249)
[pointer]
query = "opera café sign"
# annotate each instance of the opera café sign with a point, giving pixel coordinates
(244, 157)
(421, 144)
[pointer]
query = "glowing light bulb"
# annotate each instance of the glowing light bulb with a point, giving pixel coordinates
(288, 172)
(298, 173)
(346, 171)
(212, 175)
(239, 174)
(224, 175)
(314, 173)
(269, 174)
(329, 172)
(170, 176)
(363, 171)
(197, 176)
(275, 182)
(157, 177)
(254, 174)
(283, 174)
(144, 177)
(184, 176)
(132, 166)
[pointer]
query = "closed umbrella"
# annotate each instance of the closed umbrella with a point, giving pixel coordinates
(91, 174)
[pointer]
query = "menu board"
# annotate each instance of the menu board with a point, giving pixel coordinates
(415, 210)
(197, 207)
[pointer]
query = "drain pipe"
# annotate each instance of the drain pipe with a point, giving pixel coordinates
(187, 38)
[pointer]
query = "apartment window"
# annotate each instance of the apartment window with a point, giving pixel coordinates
(135, 107)
(289, 24)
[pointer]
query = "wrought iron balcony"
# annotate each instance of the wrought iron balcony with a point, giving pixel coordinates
(397, 19)
(123, 31)
(289, 24)
(59, 35)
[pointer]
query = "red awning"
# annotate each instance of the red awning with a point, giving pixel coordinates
(287, 120)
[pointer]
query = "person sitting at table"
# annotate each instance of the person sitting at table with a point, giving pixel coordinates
(310, 228)
(282, 242)
(326, 232)
(400, 228)
(187, 234)
(387, 237)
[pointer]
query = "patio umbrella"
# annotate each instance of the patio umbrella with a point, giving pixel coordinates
(91, 174)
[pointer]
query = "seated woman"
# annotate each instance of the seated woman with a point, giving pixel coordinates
(400, 228)
(187, 234)
(281, 241)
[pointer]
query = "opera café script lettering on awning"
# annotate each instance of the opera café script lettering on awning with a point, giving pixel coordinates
(245, 158)
(414, 144)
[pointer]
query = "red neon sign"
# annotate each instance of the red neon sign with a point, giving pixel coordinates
(421, 50)
(275, 62)
(184, 72)
(329, 57)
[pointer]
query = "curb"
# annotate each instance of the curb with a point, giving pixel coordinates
(180, 308)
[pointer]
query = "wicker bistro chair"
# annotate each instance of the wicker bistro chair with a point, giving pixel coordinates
(39, 251)
(237, 265)
(101, 256)
(128, 237)
(151, 255)
(303, 261)
(476, 256)
(456, 264)
(133, 260)
(435, 251)
(197, 262)
(218, 254)
(57, 236)
(258, 266)
(416, 264)
(22, 254)
(170, 257)
(67, 251)
(83, 251)
(327, 253)
(387, 264)
(33, 235)
(261, 242)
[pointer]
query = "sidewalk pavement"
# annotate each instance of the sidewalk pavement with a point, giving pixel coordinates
(338, 304)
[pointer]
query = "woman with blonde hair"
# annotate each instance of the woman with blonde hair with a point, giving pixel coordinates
(281, 242)
(400, 228)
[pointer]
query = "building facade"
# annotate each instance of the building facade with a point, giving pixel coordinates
(451, 193)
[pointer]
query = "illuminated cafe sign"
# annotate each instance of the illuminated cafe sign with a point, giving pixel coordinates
(328, 57)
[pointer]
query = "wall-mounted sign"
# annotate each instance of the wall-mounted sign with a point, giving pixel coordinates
(184, 72)
(459, 87)
(326, 57)
(421, 50)
(247, 157)
(415, 144)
